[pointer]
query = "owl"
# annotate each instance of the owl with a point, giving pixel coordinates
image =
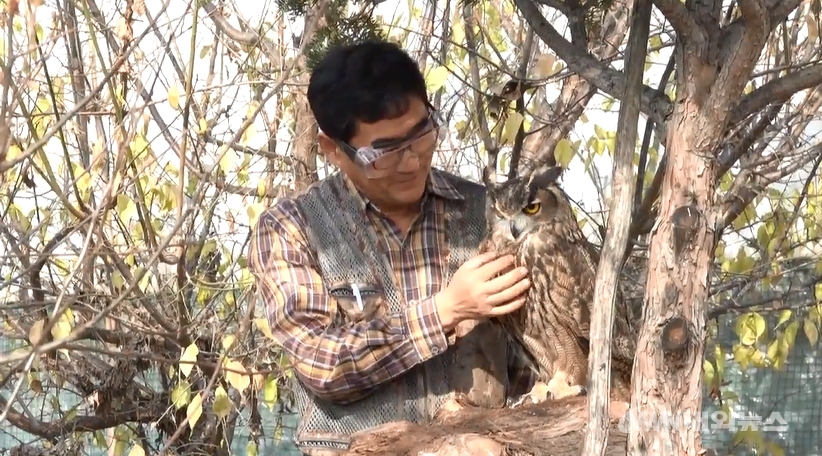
(531, 217)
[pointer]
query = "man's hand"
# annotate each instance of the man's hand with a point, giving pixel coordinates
(475, 293)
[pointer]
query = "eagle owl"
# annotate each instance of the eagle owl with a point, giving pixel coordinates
(531, 217)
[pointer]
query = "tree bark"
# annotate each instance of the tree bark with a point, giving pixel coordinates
(667, 377)
(616, 239)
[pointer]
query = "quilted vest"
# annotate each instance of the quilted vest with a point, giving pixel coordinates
(347, 251)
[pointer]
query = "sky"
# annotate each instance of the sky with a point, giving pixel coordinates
(157, 73)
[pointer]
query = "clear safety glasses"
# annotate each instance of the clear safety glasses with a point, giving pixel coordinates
(381, 159)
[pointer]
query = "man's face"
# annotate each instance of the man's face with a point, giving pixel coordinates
(398, 178)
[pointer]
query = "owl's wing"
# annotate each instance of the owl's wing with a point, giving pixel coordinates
(568, 281)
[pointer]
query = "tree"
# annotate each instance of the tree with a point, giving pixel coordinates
(141, 144)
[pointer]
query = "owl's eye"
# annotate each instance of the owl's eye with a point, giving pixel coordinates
(531, 209)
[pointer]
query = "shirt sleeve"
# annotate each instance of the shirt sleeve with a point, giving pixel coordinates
(339, 363)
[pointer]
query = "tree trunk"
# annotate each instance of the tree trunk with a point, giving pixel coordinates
(668, 372)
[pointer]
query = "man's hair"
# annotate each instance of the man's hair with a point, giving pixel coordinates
(364, 82)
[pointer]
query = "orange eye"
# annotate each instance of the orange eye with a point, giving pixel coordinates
(531, 209)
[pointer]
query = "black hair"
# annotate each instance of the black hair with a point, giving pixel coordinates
(363, 82)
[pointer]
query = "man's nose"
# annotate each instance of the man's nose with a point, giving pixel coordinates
(409, 162)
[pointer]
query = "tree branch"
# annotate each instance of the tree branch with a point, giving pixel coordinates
(688, 29)
(616, 238)
(777, 91)
(654, 104)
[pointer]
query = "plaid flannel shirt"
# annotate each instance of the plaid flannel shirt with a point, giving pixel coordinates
(344, 364)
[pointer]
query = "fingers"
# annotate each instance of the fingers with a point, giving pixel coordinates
(492, 267)
(509, 293)
(506, 280)
(479, 260)
(508, 307)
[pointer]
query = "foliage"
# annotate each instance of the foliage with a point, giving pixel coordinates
(139, 152)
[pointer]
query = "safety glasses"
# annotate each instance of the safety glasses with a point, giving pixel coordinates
(382, 159)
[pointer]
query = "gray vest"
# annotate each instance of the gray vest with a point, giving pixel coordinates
(347, 253)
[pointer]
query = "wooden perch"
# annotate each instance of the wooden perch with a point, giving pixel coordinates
(555, 428)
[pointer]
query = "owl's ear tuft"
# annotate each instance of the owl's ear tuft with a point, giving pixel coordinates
(489, 178)
(544, 176)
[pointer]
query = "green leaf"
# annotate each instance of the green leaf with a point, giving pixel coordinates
(222, 403)
(564, 153)
(435, 78)
(181, 394)
(270, 391)
(745, 218)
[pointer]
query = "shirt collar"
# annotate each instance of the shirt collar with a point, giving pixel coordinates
(437, 184)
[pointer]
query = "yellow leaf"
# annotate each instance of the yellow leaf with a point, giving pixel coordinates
(228, 160)
(254, 210)
(36, 332)
(203, 126)
(188, 358)
(126, 208)
(194, 410)
(270, 391)
(262, 325)
(62, 328)
(545, 66)
(813, 29)
(708, 372)
(773, 350)
(811, 331)
(138, 146)
(251, 448)
(222, 403)
(236, 378)
(750, 328)
(137, 450)
(180, 394)
(742, 355)
(249, 133)
(174, 96)
(784, 316)
(228, 341)
(512, 124)
(564, 153)
(436, 78)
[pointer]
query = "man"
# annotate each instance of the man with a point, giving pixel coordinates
(366, 274)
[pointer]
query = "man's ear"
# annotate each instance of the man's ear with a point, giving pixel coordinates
(329, 148)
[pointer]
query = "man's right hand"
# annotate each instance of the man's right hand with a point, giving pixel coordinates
(475, 293)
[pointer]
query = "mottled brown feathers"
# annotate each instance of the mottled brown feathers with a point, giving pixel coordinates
(531, 217)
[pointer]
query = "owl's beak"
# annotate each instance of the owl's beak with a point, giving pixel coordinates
(505, 227)
(519, 226)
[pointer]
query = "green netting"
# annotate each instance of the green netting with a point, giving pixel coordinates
(794, 392)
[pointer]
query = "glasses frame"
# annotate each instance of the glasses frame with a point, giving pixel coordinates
(368, 157)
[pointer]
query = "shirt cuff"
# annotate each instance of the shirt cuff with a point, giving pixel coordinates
(421, 323)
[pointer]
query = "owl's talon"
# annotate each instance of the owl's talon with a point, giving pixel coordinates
(559, 388)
